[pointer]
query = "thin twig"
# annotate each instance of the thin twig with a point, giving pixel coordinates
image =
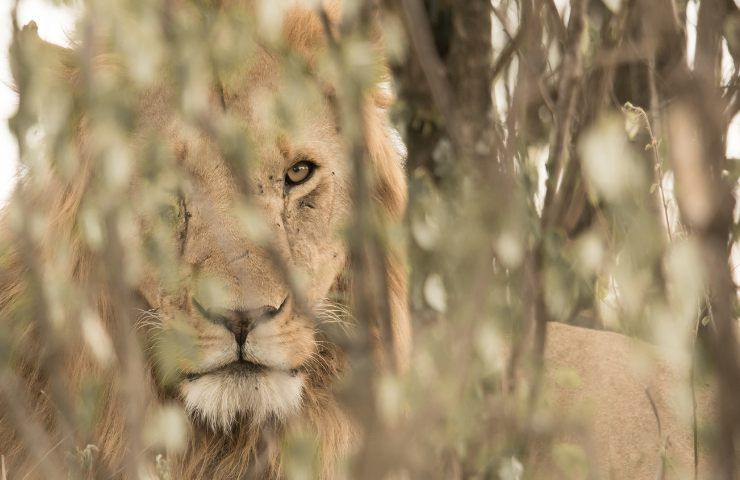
(663, 441)
(565, 108)
(694, 421)
(33, 467)
(653, 145)
(30, 431)
(507, 54)
(52, 356)
(556, 20)
(560, 144)
(368, 263)
(422, 42)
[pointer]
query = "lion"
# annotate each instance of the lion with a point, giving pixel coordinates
(261, 369)
(631, 403)
(260, 365)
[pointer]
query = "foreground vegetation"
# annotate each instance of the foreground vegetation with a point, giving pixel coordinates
(572, 170)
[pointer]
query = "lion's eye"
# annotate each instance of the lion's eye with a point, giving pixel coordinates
(299, 173)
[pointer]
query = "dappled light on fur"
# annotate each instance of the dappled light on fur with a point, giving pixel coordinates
(207, 240)
(229, 215)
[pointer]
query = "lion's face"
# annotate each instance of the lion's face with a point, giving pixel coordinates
(229, 221)
(251, 335)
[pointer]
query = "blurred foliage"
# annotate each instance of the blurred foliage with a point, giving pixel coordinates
(550, 190)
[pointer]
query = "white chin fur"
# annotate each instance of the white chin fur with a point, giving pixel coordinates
(220, 398)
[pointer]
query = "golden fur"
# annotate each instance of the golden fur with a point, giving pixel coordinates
(237, 421)
(631, 405)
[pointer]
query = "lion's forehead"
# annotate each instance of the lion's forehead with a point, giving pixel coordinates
(266, 157)
(266, 148)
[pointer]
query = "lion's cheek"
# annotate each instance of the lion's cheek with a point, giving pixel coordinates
(212, 357)
(148, 288)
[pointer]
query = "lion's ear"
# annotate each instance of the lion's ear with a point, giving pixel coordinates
(389, 196)
(48, 59)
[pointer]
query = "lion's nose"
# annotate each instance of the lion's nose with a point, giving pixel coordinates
(240, 322)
